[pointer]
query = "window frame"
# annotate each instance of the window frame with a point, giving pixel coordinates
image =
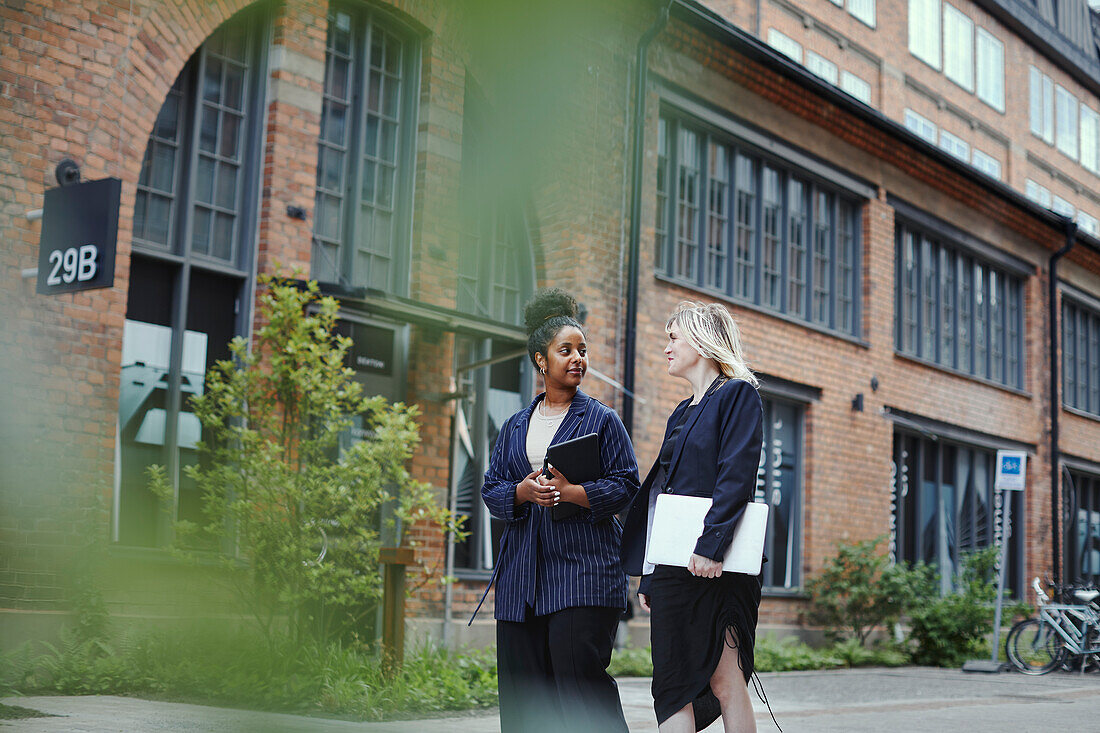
(943, 264)
(751, 269)
(364, 19)
(178, 255)
(1080, 335)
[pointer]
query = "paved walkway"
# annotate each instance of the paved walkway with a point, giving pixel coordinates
(907, 700)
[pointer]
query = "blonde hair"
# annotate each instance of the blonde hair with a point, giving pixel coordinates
(711, 330)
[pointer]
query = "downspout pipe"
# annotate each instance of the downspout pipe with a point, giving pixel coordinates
(630, 343)
(1055, 406)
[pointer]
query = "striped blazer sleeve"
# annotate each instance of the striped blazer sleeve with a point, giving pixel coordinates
(613, 492)
(499, 489)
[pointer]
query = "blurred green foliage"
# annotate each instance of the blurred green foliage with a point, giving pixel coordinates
(220, 665)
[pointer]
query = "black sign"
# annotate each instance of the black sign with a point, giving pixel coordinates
(79, 233)
(371, 349)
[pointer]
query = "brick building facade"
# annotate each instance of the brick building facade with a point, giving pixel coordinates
(432, 163)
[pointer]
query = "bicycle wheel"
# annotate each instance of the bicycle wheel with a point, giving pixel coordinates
(1033, 647)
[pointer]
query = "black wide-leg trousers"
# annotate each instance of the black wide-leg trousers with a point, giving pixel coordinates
(552, 672)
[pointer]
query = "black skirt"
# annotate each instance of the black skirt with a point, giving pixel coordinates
(688, 625)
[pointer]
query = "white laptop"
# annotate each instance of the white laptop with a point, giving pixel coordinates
(678, 522)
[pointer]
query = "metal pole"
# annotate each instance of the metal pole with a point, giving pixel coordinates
(1055, 406)
(1006, 528)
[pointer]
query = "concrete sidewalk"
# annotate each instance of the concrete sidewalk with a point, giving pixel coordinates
(909, 699)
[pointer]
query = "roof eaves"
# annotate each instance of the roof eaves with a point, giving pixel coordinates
(712, 24)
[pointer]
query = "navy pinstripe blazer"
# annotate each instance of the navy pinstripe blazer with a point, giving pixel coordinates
(716, 455)
(551, 565)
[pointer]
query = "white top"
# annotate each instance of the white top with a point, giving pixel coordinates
(539, 434)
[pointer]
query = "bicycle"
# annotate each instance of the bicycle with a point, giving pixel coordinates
(1064, 634)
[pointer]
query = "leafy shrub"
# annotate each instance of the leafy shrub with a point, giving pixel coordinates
(631, 662)
(860, 589)
(946, 631)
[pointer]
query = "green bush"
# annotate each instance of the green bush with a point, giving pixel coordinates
(947, 630)
(631, 662)
(860, 589)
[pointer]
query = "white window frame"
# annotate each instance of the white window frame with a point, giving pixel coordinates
(786, 45)
(921, 126)
(1088, 223)
(955, 146)
(863, 11)
(990, 74)
(958, 47)
(1038, 193)
(1090, 139)
(1065, 121)
(987, 164)
(1060, 206)
(1042, 105)
(821, 66)
(855, 86)
(925, 31)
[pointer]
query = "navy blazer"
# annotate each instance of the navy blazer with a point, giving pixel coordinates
(550, 565)
(716, 455)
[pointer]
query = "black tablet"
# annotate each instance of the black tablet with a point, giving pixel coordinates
(579, 461)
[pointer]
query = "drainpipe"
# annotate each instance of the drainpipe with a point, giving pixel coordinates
(1055, 407)
(641, 69)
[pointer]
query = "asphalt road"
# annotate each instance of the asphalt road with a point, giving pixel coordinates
(910, 699)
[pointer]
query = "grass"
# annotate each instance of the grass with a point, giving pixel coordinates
(237, 669)
(14, 712)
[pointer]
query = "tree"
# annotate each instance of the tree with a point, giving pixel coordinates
(296, 516)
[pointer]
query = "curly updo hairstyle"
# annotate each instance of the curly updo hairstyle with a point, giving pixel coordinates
(548, 312)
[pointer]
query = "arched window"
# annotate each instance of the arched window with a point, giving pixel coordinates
(362, 205)
(194, 228)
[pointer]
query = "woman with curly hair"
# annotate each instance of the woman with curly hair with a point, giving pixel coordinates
(560, 586)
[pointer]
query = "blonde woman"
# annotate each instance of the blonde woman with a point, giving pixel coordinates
(703, 621)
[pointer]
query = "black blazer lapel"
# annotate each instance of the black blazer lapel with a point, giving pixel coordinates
(678, 450)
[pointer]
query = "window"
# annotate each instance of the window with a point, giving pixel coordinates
(785, 45)
(958, 47)
(1080, 356)
(863, 10)
(991, 70)
(193, 231)
(855, 86)
(1065, 120)
(921, 126)
(1090, 136)
(1042, 105)
(777, 239)
(987, 164)
(955, 145)
(1085, 542)
(779, 484)
(821, 66)
(364, 153)
(924, 30)
(944, 505)
(1038, 194)
(957, 311)
(1063, 207)
(493, 394)
(1088, 223)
